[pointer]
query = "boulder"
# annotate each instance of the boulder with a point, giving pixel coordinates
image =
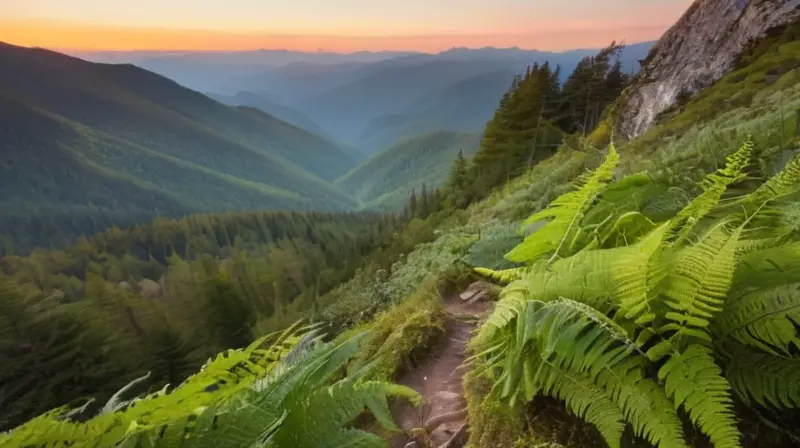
(475, 291)
(149, 288)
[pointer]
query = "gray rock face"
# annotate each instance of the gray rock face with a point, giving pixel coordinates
(696, 52)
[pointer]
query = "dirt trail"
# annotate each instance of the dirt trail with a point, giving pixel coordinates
(439, 380)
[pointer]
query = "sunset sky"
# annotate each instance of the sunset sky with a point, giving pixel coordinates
(333, 25)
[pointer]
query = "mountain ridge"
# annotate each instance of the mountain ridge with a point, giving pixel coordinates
(109, 137)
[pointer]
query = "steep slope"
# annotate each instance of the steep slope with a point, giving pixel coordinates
(273, 108)
(696, 52)
(128, 143)
(146, 108)
(464, 106)
(386, 179)
(60, 179)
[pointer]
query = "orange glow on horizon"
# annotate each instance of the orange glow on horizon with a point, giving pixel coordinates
(78, 37)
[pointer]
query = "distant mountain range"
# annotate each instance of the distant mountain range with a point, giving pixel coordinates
(87, 145)
(367, 100)
(133, 143)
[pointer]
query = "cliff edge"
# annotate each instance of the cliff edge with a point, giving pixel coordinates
(696, 52)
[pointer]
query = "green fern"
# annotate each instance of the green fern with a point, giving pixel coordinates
(714, 187)
(694, 381)
(611, 307)
(698, 285)
(644, 404)
(585, 399)
(762, 378)
(634, 274)
(298, 397)
(766, 319)
(779, 186)
(566, 212)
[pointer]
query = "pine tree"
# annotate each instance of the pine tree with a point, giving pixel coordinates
(513, 138)
(424, 206)
(458, 173)
(412, 204)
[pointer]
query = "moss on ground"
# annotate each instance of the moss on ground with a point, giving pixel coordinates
(397, 337)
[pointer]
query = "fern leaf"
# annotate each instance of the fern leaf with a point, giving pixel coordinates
(767, 268)
(633, 272)
(504, 276)
(577, 337)
(513, 300)
(317, 420)
(115, 403)
(696, 289)
(565, 213)
(766, 319)
(693, 380)
(763, 378)
(585, 399)
(778, 186)
(644, 404)
(714, 186)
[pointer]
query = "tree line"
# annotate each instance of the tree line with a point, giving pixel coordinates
(533, 118)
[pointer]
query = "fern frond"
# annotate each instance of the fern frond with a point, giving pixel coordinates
(504, 276)
(586, 277)
(714, 186)
(317, 420)
(577, 337)
(765, 379)
(585, 399)
(565, 214)
(766, 319)
(693, 380)
(778, 186)
(698, 285)
(513, 300)
(633, 276)
(644, 404)
(767, 268)
(115, 403)
(560, 348)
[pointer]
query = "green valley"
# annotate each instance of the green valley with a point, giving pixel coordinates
(386, 180)
(121, 145)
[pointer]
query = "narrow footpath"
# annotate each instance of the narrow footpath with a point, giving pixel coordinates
(441, 420)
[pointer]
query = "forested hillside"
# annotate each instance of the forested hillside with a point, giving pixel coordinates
(113, 144)
(464, 106)
(387, 179)
(165, 296)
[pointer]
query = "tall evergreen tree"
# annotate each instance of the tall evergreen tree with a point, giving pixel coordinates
(412, 204)
(424, 203)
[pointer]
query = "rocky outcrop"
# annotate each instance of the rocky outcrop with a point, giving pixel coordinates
(149, 289)
(696, 52)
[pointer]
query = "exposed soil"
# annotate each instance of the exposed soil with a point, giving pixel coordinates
(440, 421)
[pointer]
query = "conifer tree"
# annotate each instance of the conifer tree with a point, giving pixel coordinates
(412, 204)
(424, 203)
